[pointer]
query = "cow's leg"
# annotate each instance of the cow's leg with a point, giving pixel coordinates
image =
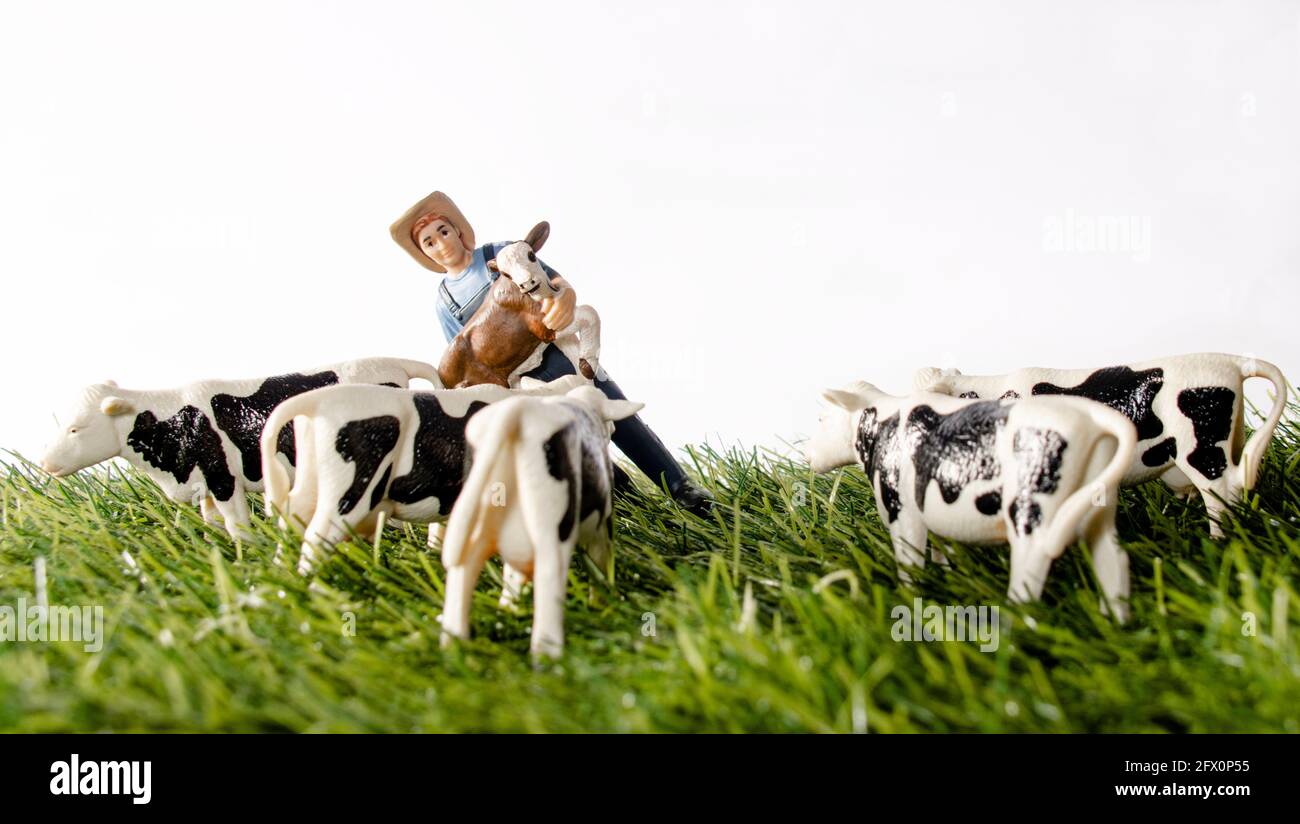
(550, 576)
(462, 578)
(512, 585)
(1109, 562)
(1219, 496)
(1030, 563)
(1178, 482)
(908, 535)
(436, 531)
(321, 534)
(235, 513)
(208, 509)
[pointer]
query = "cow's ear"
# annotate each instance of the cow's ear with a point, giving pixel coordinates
(537, 236)
(113, 406)
(111, 382)
(618, 410)
(843, 399)
(492, 264)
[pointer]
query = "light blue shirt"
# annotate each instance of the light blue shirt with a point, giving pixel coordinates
(468, 289)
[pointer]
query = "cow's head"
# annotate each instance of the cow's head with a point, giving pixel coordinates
(932, 379)
(519, 262)
(607, 409)
(90, 433)
(833, 443)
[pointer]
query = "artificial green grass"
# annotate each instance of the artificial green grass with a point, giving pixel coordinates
(205, 635)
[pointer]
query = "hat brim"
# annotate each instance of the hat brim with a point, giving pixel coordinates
(434, 204)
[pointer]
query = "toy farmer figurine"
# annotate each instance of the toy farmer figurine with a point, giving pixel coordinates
(438, 236)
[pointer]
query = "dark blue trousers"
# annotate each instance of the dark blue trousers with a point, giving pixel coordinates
(631, 435)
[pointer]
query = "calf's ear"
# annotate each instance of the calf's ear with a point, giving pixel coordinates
(618, 410)
(113, 406)
(538, 235)
(843, 399)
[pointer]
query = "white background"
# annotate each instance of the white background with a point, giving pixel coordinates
(761, 199)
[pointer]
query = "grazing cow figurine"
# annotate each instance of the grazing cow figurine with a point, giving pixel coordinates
(1037, 473)
(539, 484)
(1187, 410)
(200, 442)
(507, 335)
(363, 452)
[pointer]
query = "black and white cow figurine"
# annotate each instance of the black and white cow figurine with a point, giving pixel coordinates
(1037, 473)
(1187, 410)
(539, 484)
(200, 442)
(364, 452)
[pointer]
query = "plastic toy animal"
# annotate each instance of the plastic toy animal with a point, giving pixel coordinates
(539, 484)
(1037, 473)
(505, 336)
(363, 451)
(200, 442)
(1187, 410)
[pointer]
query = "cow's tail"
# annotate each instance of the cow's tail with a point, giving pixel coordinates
(490, 434)
(1252, 454)
(1098, 491)
(278, 483)
(420, 369)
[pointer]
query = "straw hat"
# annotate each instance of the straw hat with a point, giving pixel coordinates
(435, 204)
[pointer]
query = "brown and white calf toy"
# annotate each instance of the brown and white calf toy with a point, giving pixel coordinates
(505, 336)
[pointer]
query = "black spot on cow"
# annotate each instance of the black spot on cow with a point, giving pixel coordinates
(440, 457)
(365, 444)
(180, 444)
(1038, 461)
(880, 453)
(1211, 410)
(596, 484)
(990, 503)
(377, 494)
(954, 449)
(243, 418)
(1010, 395)
(1122, 389)
(969, 395)
(558, 464)
(1162, 453)
(1025, 517)
(390, 383)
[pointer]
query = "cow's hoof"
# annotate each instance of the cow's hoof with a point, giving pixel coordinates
(693, 499)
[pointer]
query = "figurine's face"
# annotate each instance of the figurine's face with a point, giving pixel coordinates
(441, 243)
(519, 263)
(88, 434)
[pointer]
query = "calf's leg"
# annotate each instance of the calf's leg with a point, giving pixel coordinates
(1110, 563)
(462, 578)
(550, 576)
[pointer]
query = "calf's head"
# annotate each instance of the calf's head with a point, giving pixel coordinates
(90, 433)
(519, 262)
(832, 444)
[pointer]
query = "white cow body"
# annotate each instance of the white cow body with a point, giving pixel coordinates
(199, 442)
(1187, 410)
(365, 451)
(540, 484)
(1037, 473)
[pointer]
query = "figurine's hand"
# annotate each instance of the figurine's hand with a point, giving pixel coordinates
(558, 311)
